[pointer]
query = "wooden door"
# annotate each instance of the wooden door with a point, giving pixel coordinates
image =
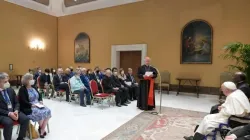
(130, 59)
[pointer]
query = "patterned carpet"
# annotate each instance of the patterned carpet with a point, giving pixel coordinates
(172, 125)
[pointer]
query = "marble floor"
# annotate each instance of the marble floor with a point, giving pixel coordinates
(72, 122)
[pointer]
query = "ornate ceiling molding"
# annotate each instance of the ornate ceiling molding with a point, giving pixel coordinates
(57, 7)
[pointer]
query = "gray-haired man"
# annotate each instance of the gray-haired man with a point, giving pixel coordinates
(9, 110)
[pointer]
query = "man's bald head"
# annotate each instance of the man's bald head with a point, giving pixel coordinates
(239, 77)
(147, 60)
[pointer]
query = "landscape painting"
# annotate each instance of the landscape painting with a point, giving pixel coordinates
(82, 48)
(197, 41)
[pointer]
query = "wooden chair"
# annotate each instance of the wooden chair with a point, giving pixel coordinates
(225, 76)
(165, 79)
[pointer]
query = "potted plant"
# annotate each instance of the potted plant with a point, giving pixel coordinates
(240, 54)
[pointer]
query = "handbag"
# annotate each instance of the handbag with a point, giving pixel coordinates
(33, 131)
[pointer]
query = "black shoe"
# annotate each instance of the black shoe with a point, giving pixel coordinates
(128, 102)
(42, 136)
(188, 138)
(68, 101)
(124, 104)
(118, 105)
(20, 139)
(88, 103)
(83, 105)
(39, 130)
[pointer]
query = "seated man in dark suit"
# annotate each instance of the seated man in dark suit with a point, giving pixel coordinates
(66, 75)
(85, 79)
(108, 87)
(241, 82)
(134, 84)
(117, 83)
(96, 76)
(45, 82)
(60, 83)
(9, 110)
(240, 134)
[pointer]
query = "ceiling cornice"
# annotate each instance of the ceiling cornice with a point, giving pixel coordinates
(58, 9)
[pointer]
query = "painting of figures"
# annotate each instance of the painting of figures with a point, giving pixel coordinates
(196, 44)
(82, 48)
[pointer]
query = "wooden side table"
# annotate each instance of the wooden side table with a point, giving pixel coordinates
(190, 80)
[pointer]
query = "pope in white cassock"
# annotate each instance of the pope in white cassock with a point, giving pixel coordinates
(236, 104)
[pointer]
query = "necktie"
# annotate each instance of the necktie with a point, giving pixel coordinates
(6, 98)
(132, 78)
(60, 77)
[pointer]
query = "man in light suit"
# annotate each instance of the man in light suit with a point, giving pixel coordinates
(9, 110)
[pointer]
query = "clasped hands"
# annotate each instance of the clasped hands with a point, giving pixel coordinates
(13, 115)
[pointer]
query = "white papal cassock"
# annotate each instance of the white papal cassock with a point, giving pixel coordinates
(236, 104)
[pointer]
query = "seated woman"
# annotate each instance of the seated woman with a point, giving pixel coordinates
(123, 79)
(31, 104)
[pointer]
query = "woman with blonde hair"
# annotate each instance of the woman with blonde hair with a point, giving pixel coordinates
(31, 104)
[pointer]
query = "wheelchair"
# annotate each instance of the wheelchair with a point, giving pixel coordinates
(234, 123)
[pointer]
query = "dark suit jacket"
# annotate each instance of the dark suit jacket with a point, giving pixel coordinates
(25, 105)
(241, 133)
(66, 78)
(43, 79)
(85, 81)
(142, 70)
(116, 81)
(107, 84)
(94, 76)
(244, 87)
(129, 79)
(57, 81)
(14, 101)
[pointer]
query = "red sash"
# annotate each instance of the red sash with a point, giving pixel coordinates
(151, 91)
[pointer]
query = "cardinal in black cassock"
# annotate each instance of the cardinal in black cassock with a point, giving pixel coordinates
(146, 97)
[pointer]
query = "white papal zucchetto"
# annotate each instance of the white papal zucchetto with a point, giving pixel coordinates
(230, 85)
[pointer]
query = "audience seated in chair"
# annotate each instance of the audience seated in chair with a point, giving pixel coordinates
(89, 73)
(66, 75)
(110, 88)
(61, 83)
(243, 133)
(134, 84)
(236, 104)
(97, 76)
(31, 104)
(45, 82)
(77, 87)
(84, 78)
(71, 73)
(9, 110)
(117, 83)
(241, 83)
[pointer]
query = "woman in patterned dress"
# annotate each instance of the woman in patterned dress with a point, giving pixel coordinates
(29, 97)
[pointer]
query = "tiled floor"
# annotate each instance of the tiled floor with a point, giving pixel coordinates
(72, 122)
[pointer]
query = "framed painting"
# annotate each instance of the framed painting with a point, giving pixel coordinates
(197, 43)
(82, 48)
